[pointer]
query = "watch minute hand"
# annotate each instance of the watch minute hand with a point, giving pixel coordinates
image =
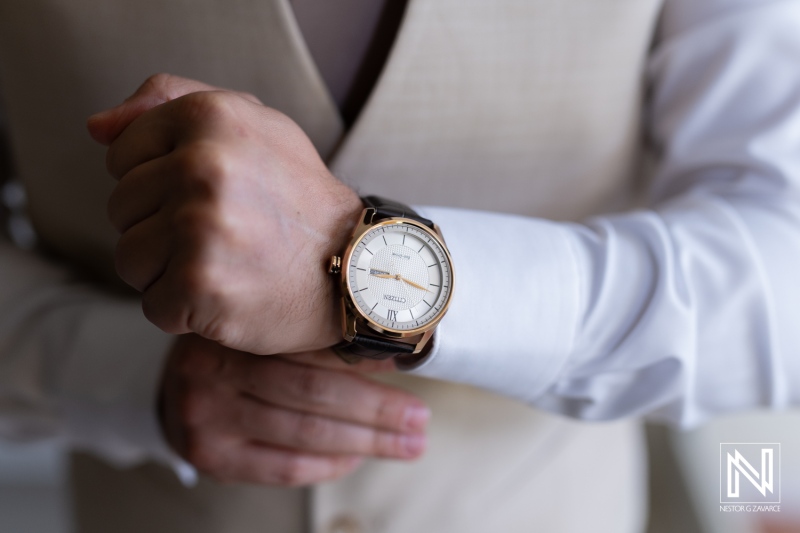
(386, 275)
(415, 285)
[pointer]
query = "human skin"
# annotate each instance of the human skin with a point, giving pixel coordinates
(227, 216)
(286, 421)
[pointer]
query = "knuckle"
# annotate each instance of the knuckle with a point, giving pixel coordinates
(194, 282)
(311, 385)
(214, 328)
(203, 168)
(311, 432)
(389, 411)
(386, 444)
(278, 118)
(203, 226)
(208, 107)
(201, 303)
(250, 96)
(192, 279)
(191, 222)
(294, 471)
(214, 164)
(198, 302)
(204, 298)
(157, 81)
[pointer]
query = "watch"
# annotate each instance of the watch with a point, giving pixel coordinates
(396, 282)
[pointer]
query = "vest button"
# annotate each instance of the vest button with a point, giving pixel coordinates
(345, 524)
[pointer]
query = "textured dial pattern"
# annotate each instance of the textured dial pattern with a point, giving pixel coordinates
(399, 262)
(400, 276)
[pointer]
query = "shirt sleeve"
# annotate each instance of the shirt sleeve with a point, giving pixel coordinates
(680, 311)
(78, 364)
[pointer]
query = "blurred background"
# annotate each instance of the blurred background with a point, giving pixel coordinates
(33, 496)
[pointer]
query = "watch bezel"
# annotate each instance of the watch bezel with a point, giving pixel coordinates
(361, 230)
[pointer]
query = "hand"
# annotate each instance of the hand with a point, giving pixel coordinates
(227, 216)
(245, 418)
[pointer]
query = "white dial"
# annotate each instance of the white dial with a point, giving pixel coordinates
(400, 276)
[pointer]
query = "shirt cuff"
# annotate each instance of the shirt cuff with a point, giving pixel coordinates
(515, 308)
(109, 389)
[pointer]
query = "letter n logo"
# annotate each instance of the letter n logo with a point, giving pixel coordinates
(748, 473)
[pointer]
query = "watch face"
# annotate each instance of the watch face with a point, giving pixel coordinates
(400, 276)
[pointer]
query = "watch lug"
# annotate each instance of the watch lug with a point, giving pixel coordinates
(364, 222)
(439, 232)
(348, 323)
(424, 340)
(367, 217)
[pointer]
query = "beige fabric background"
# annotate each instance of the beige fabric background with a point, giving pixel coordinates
(529, 107)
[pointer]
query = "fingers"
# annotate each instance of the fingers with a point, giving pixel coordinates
(150, 136)
(142, 192)
(336, 394)
(268, 465)
(193, 120)
(105, 127)
(142, 208)
(185, 300)
(161, 301)
(250, 462)
(235, 437)
(143, 252)
(296, 430)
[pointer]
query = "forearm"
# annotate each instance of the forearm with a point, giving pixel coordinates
(683, 310)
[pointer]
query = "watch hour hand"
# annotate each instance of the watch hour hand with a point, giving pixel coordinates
(398, 277)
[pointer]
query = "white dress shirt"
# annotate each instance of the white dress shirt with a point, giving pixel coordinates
(682, 310)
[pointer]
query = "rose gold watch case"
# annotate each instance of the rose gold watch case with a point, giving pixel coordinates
(352, 315)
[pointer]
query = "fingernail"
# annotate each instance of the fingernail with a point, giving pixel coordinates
(413, 445)
(416, 417)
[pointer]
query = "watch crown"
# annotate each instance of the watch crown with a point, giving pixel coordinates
(335, 265)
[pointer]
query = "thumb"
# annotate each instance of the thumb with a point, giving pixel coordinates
(105, 127)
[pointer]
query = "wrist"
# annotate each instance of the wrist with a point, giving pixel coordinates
(394, 260)
(341, 218)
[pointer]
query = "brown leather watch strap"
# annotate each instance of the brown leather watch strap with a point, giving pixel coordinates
(385, 208)
(370, 346)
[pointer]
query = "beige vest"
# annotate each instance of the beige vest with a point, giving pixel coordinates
(523, 106)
